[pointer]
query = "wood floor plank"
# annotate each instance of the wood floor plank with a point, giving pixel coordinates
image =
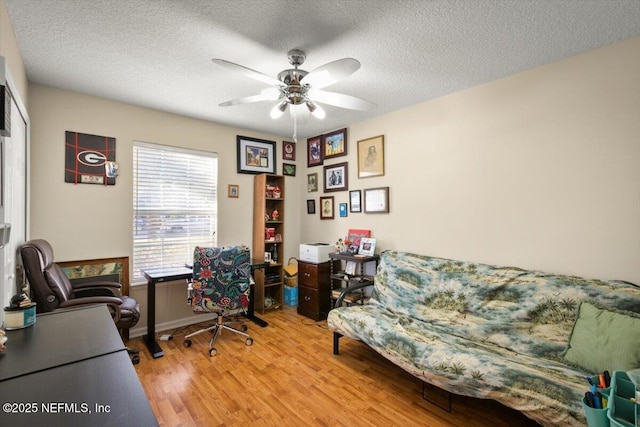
(290, 377)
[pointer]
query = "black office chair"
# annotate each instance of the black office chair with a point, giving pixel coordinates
(52, 290)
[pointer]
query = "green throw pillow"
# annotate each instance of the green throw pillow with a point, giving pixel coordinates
(604, 340)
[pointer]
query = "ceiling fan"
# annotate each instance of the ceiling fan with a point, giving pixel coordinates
(298, 87)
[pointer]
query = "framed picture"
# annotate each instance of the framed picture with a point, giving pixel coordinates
(342, 208)
(233, 190)
(335, 144)
(355, 236)
(367, 246)
(312, 182)
(289, 169)
(376, 200)
(371, 157)
(311, 206)
(288, 150)
(256, 155)
(326, 207)
(314, 151)
(355, 201)
(336, 177)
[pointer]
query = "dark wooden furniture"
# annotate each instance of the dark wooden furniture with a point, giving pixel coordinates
(314, 289)
(71, 368)
(341, 279)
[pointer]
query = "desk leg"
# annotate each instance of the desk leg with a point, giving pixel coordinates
(150, 338)
(250, 311)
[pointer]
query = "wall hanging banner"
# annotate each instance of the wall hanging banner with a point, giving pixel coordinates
(89, 159)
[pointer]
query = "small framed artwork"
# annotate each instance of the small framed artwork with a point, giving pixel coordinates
(367, 246)
(355, 235)
(314, 151)
(311, 206)
(312, 182)
(355, 201)
(289, 169)
(376, 200)
(371, 157)
(256, 155)
(342, 208)
(336, 177)
(335, 144)
(233, 191)
(288, 150)
(326, 207)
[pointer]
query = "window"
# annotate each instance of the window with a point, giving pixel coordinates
(174, 205)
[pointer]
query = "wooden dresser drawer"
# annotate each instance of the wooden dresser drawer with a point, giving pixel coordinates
(313, 303)
(308, 274)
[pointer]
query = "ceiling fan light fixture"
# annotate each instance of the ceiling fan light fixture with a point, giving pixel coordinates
(278, 110)
(316, 111)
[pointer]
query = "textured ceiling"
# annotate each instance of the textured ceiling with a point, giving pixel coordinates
(157, 53)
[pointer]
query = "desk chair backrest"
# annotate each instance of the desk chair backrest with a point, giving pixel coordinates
(49, 285)
(221, 279)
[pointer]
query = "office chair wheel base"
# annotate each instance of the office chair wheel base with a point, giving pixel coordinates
(187, 343)
(135, 359)
(249, 341)
(212, 352)
(244, 328)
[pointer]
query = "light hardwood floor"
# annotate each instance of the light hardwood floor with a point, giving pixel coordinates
(289, 377)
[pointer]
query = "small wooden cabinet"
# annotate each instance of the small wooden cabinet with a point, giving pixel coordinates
(314, 289)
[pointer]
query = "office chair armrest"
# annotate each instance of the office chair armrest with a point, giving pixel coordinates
(113, 304)
(97, 288)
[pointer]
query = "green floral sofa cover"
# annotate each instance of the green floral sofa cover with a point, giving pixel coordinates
(482, 331)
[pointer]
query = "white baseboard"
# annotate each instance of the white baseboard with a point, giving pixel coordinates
(174, 324)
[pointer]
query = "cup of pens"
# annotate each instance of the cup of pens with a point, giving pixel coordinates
(595, 400)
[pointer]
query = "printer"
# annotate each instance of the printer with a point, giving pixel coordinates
(316, 253)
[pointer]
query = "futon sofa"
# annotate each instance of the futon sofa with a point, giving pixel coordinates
(524, 338)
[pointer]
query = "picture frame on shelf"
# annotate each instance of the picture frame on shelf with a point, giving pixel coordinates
(326, 207)
(376, 200)
(355, 201)
(233, 191)
(371, 157)
(312, 182)
(288, 169)
(288, 150)
(256, 155)
(367, 246)
(334, 144)
(355, 235)
(342, 208)
(311, 206)
(314, 151)
(336, 177)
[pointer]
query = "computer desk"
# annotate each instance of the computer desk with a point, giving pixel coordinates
(71, 368)
(172, 274)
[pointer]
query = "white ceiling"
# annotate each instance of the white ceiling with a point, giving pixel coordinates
(157, 53)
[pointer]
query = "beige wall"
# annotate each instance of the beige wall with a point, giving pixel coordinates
(94, 221)
(9, 49)
(539, 170)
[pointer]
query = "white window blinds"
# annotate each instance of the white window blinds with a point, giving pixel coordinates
(174, 205)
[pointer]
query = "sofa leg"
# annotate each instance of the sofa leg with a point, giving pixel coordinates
(433, 402)
(336, 342)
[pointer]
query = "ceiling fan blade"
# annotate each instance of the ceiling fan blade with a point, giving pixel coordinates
(340, 100)
(255, 75)
(269, 94)
(331, 73)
